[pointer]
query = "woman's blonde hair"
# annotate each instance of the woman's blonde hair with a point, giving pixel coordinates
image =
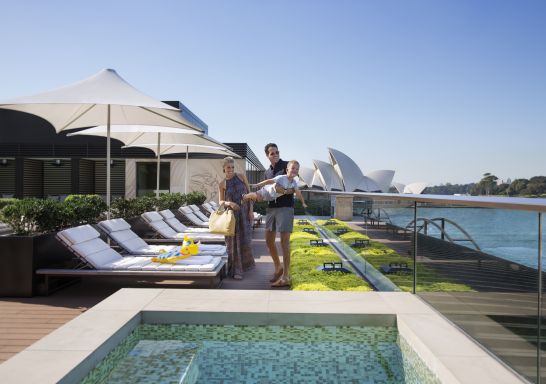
(227, 160)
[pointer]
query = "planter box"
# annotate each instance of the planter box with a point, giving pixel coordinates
(21, 256)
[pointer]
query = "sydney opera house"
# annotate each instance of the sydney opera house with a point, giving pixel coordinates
(343, 174)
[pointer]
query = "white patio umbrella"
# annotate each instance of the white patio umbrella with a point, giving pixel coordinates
(162, 141)
(104, 98)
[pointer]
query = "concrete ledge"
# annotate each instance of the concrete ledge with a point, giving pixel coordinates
(67, 354)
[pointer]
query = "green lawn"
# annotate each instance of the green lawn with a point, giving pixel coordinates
(305, 259)
(378, 254)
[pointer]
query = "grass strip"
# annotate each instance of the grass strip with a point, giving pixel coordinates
(378, 254)
(304, 260)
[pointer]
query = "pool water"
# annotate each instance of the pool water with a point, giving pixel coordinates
(262, 354)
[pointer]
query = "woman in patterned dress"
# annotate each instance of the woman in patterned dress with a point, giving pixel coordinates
(231, 191)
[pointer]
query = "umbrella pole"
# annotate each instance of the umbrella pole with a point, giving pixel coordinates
(108, 163)
(186, 181)
(158, 163)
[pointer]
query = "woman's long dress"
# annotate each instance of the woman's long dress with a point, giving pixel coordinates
(239, 249)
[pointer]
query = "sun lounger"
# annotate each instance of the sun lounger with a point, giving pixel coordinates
(214, 204)
(197, 212)
(171, 219)
(120, 231)
(156, 221)
(187, 212)
(209, 208)
(98, 259)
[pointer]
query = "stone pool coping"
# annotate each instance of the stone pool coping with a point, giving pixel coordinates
(68, 353)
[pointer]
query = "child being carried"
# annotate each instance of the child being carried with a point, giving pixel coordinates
(270, 189)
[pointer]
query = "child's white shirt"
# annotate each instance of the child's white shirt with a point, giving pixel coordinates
(284, 182)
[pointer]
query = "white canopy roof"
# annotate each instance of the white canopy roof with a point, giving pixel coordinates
(171, 140)
(85, 104)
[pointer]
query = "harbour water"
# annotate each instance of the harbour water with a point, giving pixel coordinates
(512, 235)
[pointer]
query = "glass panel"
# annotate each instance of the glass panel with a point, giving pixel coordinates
(395, 260)
(147, 178)
(478, 267)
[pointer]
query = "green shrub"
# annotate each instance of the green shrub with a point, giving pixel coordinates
(317, 208)
(6, 201)
(196, 197)
(124, 208)
(85, 209)
(146, 204)
(171, 200)
(35, 216)
(260, 207)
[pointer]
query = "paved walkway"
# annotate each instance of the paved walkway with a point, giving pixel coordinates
(26, 320)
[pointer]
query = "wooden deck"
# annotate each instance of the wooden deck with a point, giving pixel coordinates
(26, 320)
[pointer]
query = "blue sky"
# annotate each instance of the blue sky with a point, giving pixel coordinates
(440, 91)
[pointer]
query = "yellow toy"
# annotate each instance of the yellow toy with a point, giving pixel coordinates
(188, 248)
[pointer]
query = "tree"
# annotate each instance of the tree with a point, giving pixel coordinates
(536, 185)
(486, 186)
(517, 187)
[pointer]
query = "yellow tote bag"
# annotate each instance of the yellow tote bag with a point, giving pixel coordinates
(222, 222)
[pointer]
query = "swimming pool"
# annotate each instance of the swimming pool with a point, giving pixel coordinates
(181, 353)
(107, 330)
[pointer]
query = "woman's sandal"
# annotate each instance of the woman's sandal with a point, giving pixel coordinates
(275, 277)
(281, 283)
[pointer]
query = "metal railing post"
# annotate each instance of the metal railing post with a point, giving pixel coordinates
(539, 307)
(414, 246)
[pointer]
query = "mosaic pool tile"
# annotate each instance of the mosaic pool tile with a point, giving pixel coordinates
(194, 354)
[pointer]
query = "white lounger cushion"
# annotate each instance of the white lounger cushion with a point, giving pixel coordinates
(145, 264)
(185, 209)
(167, 232)
(87, 245)
(152, 249)
(171, 219)
(113, 225)
(191, 217)
(119, 230)
(79, 234)
(99, 259)
(152, 216)
(208, 207)
(212, 249)
(155, 220)
(133, 263)
(197, 212)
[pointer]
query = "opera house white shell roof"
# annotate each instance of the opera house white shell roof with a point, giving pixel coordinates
(328, 176)
(383, 179)
(348, 171)
(343, 174)
(310, 178)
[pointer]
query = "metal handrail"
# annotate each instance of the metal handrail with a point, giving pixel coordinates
(442, 230)
(515, 203)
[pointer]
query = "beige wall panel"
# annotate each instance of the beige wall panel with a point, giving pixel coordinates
(130, 178)
(204, 175)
